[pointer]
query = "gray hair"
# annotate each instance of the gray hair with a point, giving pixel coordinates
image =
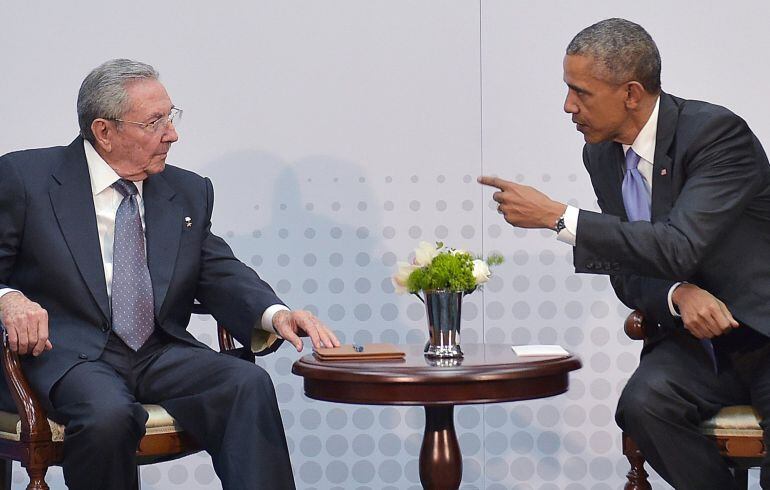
(103, 92)
(623, 51)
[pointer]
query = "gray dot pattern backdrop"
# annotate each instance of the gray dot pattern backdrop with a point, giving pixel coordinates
(340, 133)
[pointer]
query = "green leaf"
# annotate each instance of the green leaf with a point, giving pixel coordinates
(447, 271)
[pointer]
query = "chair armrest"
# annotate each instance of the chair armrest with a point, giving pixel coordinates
(262, 343)
(34, 423)
(636, 327)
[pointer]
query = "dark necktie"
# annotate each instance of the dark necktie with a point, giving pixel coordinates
(133, 318)
(636, 199)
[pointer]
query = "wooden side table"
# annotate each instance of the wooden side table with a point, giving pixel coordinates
(488, 373)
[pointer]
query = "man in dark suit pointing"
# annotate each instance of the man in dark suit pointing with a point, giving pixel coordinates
(684, 235)
(103, 250)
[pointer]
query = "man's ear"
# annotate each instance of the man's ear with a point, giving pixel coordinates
(635, 93)
(103, 132)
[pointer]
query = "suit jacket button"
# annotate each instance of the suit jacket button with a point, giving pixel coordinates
(83, 356)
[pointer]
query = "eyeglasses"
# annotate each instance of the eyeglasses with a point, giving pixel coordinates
(174, 117)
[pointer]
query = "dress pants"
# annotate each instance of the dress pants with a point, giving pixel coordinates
(676, 387)
(227, 404)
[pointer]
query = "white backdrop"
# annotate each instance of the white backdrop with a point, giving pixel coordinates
(338, 133)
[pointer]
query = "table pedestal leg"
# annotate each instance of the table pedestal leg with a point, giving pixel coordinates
(441, 464)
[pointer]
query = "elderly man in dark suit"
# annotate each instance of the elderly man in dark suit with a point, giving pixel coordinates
(684, 234)
(103, 250)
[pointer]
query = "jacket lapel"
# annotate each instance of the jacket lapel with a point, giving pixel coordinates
(662, 174)
(613, 179)
(73, 204)
(163, 220)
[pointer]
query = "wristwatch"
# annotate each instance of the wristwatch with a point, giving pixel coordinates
(559, 224)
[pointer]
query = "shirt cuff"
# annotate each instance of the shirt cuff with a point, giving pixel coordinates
(5, 291)
(569, 233)
(267, 318)
(671, 306)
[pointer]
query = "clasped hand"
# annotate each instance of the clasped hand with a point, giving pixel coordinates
(704, 315)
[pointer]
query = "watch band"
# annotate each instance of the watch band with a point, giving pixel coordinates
(559, 224)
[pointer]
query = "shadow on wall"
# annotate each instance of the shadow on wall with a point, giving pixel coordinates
(312, 229)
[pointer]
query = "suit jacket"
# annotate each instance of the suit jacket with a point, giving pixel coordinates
(49, 250)
(710, 221)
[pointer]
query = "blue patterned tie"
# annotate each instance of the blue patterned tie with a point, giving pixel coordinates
(636, 199)
(133, 319)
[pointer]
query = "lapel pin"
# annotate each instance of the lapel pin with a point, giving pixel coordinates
(663, 172)
(188, 221)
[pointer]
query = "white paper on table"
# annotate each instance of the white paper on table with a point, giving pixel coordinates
(539, 350)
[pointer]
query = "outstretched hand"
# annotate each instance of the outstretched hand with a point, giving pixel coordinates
(290, 325)
(704, 315)
(26, 324)
(522, 205)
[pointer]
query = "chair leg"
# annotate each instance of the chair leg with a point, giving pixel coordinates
(6, 471)
(36, 475)
(637, 476)
(741, 478)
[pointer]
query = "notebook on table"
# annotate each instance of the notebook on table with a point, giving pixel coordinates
(365, 352)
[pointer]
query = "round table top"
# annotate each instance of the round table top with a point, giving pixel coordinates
(487, 373)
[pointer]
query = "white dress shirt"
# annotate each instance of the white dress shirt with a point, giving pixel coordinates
(106, 202)
(644, 146)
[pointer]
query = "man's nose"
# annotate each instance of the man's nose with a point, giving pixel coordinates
(570, 107)
(170, 135)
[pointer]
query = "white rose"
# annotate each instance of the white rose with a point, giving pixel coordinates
(424, 253)
(481, 271)
(400, 277)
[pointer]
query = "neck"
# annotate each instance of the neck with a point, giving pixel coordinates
(638, 117)
(106, 156)
(102, 153)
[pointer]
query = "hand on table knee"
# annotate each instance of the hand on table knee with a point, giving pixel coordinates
(291, 324)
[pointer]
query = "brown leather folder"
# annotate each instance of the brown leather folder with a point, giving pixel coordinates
(370, 352)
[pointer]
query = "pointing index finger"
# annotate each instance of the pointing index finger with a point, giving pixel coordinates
(492, 181)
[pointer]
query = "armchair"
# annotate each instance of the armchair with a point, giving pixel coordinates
(29, 437)
(735, 430)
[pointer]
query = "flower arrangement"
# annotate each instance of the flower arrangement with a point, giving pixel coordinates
(441, 268)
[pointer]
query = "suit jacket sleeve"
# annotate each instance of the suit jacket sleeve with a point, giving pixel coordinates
(724, 171)
(232, 292)
(12, 201)
(646, 294)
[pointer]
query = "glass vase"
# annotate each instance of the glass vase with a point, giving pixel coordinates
(443, 308)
